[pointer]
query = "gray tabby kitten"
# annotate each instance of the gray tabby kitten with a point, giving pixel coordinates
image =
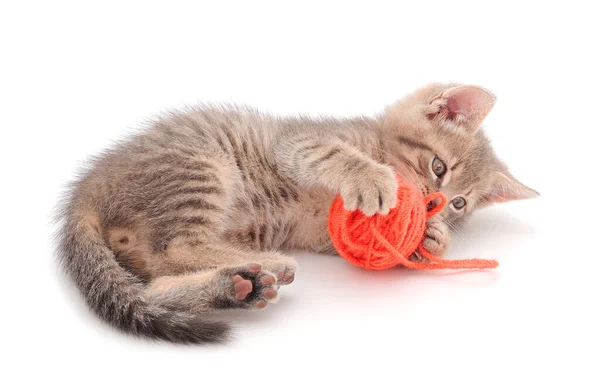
(187, 217)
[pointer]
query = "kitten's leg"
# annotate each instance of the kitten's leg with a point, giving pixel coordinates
(184, 257)
(246, 286)
(204, 277)
(362, 182)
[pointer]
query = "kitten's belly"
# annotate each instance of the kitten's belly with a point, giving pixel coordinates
(302, 224)
(311, 232)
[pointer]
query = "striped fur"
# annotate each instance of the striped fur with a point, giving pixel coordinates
(157, 228)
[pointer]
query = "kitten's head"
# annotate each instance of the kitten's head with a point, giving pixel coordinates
(433, 138)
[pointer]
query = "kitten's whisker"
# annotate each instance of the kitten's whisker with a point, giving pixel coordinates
(453, 227)
(409, 172)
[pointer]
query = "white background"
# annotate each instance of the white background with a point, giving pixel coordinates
(75, 77)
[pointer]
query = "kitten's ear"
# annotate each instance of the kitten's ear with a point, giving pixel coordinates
(464, 106)
(506, 188)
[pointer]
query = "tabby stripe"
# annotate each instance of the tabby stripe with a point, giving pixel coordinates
(289, 227)
(187, 177)
(195, 203)
(160, 241)
(175, 182)
(252, 235)
(189, 190)
(223, 145)
(261, 235)
(236, 154)
(305, 150)
(272, 196)
(352, 165)
(256, 202)
(265, 164)
(325, 157)
(172, 222)
(168, 175)
(295, 194)
(167, 228)
(162, 200)
(418, 171)
(173, 191)
(176, 160)
(413, 143)
(252, 174)
(283, 193)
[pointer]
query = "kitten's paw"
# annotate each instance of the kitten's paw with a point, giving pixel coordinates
(437, 237)
(372, 189)
(284, 269)
(246, 286)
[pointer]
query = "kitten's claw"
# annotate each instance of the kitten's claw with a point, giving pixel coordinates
(261, 304)
(286, 280)
(270, 293)
(254, 267)
(268, 280)
(283, 269)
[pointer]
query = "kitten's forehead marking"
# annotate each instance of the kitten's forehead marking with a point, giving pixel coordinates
(411, 165)
(414, 143)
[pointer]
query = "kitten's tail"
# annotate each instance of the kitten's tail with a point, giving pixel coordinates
(117, 296)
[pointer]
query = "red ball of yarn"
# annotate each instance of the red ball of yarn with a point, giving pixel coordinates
(384, 241)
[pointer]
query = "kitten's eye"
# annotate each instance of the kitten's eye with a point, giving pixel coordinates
(459, 202)
(438, 167)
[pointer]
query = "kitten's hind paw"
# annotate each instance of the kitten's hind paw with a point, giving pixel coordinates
(245, 287)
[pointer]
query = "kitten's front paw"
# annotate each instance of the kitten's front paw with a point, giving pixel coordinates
(437, 237)
(372, 190)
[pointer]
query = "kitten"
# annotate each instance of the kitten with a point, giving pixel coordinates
(187, 217)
